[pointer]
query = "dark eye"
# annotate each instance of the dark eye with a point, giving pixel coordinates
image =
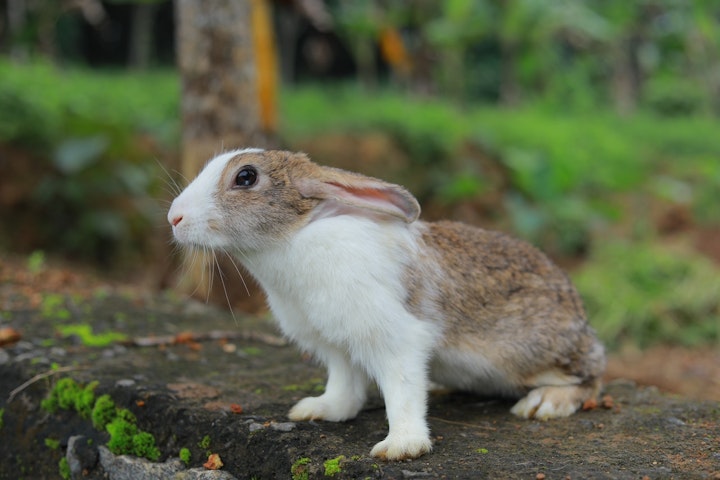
(246, 177)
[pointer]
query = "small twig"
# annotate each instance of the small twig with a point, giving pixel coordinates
(463, 424)
(39, 377)
(265, 338)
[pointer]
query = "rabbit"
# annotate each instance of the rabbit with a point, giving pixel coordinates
(376, 295)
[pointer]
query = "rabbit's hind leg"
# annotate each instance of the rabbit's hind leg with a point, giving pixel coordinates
(544, 403)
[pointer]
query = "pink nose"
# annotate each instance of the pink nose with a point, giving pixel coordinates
(176, 220)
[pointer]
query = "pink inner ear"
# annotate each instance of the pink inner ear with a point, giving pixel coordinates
(373, 193)
(378, 199)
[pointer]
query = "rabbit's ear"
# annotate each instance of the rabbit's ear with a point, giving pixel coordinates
(359, 192)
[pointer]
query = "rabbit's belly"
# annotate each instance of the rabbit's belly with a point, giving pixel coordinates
(471, 372)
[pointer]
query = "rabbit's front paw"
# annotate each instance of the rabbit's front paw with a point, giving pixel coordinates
(398, 447)
(323, 408)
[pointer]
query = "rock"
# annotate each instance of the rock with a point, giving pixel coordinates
(82, 456)
(646, 434)
(125, 467)
(283, 427)
(4, 356)
(202, 474)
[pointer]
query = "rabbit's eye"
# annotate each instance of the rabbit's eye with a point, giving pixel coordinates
(246, 177)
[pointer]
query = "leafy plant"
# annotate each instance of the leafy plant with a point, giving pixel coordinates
(646, 294)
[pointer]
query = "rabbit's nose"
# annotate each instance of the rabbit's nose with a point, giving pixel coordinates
(175, 220)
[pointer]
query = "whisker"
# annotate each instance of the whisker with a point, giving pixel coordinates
(234, 264)
(222, 281)
(170, 181)
(211, 272)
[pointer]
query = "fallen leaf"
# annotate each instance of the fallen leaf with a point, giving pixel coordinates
(236, 408)
(193, 390)
(140, 403)
(184, 337)
(213, 462)
(9, 335)
(607, 402)
(590, 404)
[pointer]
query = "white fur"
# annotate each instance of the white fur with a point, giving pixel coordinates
(545, 403)
(336, 288)
(472, 372)
(196, 205)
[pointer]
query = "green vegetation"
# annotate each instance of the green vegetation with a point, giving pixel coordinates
(558, 168)
(332, 466)
(85, 133)
(185, 455)
(88, 338)
(645, 293)
(205, 444)
(52, 307)
(299, 469)
(64, 469)
(103, 411)
(36, 262)
(67, 395)
(52, 444)
(2, 415)
(121, 424)
(482, 451)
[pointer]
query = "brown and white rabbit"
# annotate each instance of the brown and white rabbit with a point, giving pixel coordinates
(353, 277)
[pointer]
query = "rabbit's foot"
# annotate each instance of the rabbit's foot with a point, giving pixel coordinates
(402, 447)
(544, 403)
(324, 408)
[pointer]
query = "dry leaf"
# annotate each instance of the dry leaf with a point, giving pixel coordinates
(9, 335)
(213, 462)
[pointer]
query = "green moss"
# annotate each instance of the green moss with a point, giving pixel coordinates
(332, 466)
(121, 436)
(88, 338)
(144, 446)
(52, 444)
(103, 412)
(185, 455)
(62, 396)
(126, 415)
(67, 394)
(205, 442)
(64, 469)
(299, 469)
(84, 400)
(2, 414)
(125, 437)
(482, 451)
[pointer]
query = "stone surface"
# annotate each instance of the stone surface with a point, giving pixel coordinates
(186, 393)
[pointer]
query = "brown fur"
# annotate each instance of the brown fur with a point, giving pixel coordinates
(503, 297)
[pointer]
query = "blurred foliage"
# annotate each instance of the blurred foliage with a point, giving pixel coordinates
(644, 293)
(94, 140)
(567, 174)
(568, 118)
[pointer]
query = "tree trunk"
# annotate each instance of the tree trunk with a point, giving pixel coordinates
(625, 80)
(220, 106)
(141, 40)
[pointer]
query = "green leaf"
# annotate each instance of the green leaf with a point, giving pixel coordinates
(74, 155)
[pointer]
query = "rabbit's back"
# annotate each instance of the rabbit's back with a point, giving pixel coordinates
(506, 308)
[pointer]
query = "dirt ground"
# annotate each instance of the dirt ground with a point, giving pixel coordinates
(188, 371)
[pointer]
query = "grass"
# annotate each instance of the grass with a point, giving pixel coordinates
(140, 101)
(646, 293)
